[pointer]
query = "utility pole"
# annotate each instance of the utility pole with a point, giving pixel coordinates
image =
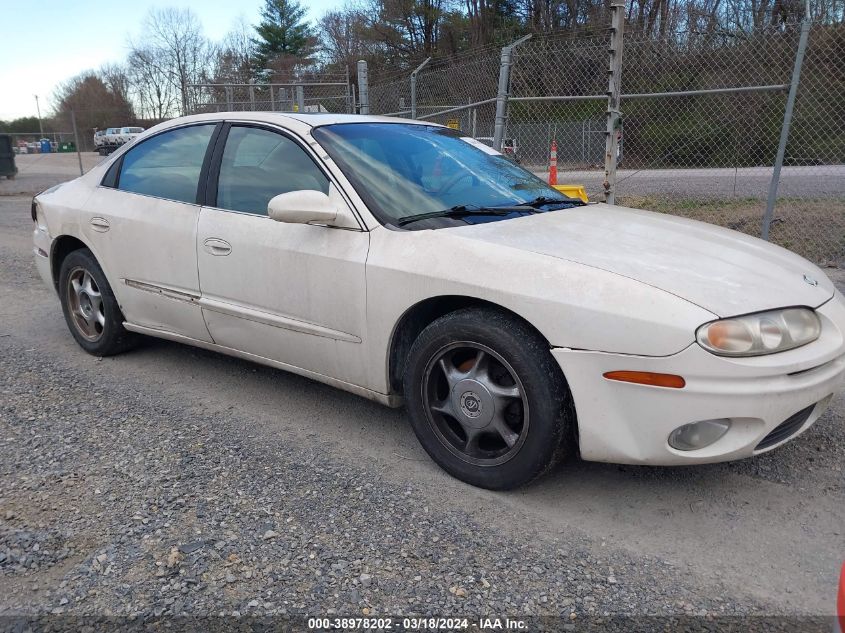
(40, 125)
(614, 89)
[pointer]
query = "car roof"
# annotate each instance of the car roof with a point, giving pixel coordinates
(289, 119)
(298, 123)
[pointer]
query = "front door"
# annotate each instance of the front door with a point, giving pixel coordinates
(293, 293)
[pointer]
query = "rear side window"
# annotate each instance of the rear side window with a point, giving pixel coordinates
(168, 165)
(258, 165)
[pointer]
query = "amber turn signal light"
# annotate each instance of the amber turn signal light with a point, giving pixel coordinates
(647, 378)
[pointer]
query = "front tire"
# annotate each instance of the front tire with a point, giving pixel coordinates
(90, 307)
(487, 400)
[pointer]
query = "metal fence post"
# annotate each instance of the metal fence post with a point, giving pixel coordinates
(504, 92)
(414, 87)
(614, 88)
(184, 87)
(252, 95)
(363, 87)
(787, 122)
(349, 104)
(300, 98)
(76, 140)
(272, 99)
(229, 98)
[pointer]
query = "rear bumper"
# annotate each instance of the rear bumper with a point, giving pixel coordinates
(630, 423)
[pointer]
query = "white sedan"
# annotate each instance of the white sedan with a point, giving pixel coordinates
(404, 263)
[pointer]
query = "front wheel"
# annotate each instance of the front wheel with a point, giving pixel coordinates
(486, 399)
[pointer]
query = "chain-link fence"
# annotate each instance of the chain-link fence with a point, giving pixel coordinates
(323, 94)
(702, 117)
(702, 113)
(703, 141)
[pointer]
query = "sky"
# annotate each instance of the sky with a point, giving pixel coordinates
(45, 42)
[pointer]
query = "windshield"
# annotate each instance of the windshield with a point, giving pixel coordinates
(403, 170)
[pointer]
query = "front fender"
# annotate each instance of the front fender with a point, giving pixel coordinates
(570, 304)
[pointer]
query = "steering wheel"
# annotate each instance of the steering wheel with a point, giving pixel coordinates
(452, 181)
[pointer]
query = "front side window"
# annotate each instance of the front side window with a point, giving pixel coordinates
(167, 165)
(405, 171)
(258, 165)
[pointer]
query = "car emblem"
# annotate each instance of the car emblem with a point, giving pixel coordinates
(471, 404)
(810, 280)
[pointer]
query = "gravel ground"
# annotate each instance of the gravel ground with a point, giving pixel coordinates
(117, 501)
(176, 481)
(37, 172)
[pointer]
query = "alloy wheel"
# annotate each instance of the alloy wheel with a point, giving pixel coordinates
(86, 304)
(475, 403)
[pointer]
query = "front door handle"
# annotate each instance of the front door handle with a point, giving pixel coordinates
(100, 224)
(216, 246)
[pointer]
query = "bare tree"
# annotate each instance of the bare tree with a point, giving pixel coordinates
(345, 38)
(232, 59)
(180, 49)
(152, 85)
(116, 78)
(92, 103)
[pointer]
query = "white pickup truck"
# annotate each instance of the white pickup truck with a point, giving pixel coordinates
(108, 140)
(99, 139)
(127, 134)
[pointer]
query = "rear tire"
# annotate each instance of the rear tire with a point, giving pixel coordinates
(486, 399)
(90, 308)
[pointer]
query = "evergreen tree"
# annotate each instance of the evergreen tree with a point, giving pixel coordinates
(282, 34)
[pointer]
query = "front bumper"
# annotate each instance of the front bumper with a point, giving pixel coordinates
(630, 423)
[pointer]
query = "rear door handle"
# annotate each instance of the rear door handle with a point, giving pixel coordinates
(216, 246)
(100, 224)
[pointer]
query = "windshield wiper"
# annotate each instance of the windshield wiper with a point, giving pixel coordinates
(541, 201)
(463, 210)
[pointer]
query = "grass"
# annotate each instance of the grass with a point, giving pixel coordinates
(813, 228)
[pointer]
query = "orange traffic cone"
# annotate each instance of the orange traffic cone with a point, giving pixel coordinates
(553, 164)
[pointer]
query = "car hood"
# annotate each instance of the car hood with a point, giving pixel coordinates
(720, 270)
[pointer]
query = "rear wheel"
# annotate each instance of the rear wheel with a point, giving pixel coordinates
(486, 399)
(90, 308)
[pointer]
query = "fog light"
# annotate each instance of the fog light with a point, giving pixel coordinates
(690, 437)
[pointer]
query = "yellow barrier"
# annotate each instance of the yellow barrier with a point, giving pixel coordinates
(573, 191)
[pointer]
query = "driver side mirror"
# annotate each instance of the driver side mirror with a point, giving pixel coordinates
(302, 207)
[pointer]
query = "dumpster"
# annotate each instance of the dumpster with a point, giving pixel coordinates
(45, 146)
(7, 157)
(67, 146)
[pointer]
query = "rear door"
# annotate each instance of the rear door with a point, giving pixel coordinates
(142, 225)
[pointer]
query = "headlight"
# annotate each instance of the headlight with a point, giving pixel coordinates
(761, 333)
